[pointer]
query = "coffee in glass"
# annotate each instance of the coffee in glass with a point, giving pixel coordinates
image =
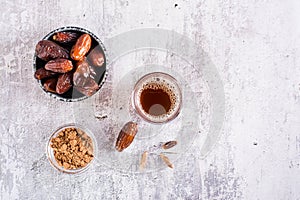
(157, 97)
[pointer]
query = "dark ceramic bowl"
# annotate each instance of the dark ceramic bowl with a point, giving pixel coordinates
(72, 95)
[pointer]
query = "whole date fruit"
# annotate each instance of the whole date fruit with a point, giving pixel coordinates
(83, 71)
(42, 73)
(82, 46)
(126, 136)
(65, 37)
(96, 57)
(64, 83)
(48, 50)
(59, 65)
(50, 85)
(90, 87)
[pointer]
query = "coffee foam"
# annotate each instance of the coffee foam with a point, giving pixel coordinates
(166, 88)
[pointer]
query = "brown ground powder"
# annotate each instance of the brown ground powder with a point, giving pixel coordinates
(72, 148)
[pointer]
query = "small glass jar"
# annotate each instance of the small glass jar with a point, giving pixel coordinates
(50, 151)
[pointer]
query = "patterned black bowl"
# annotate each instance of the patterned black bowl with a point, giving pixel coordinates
(72, 95)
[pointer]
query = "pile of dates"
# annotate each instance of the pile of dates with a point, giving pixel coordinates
(70, 62)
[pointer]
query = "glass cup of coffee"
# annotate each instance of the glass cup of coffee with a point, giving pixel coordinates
(157, 97)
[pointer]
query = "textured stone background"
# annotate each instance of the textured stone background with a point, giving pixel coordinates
(255, 46)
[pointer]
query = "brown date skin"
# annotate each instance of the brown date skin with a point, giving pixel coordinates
(89, 88)
(48, 50)
(64, 82)
(65, 37)
(83, 70)
(92, 72)
(96, 57)
(59, 65)
(82, 47)
(50, 85)
(43, 73)
(82, 73)
(126, 136)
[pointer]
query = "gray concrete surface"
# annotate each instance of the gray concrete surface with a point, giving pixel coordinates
(255, 48)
